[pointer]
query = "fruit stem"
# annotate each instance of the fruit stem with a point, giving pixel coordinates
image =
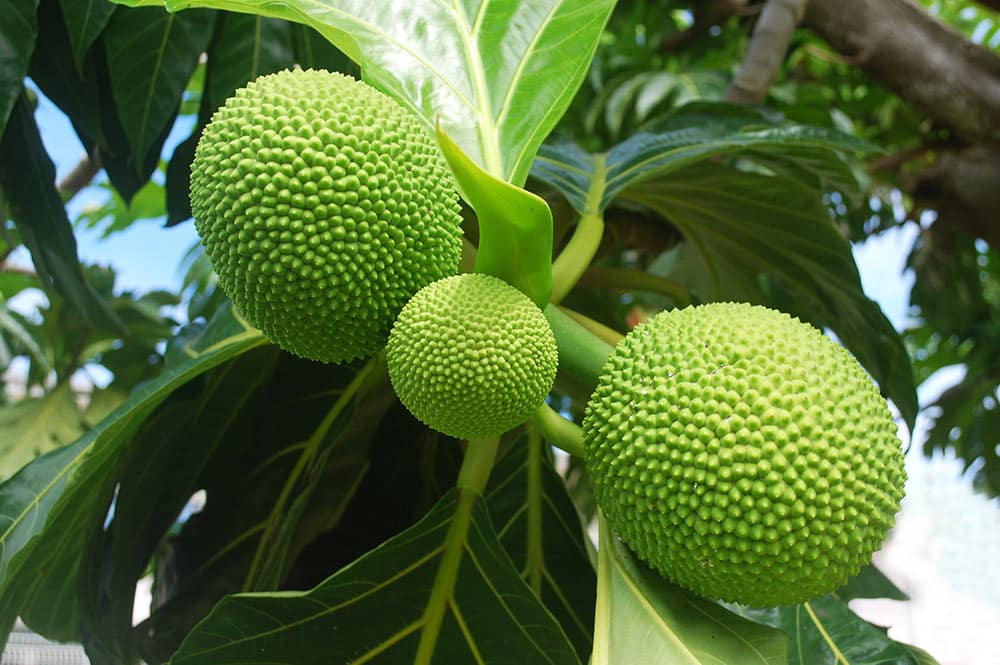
(558, 431)
(581, 352)
(478, 462)
(577, 254)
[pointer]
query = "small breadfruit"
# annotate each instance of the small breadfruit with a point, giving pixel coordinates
(323, 206)
(471, 356)
(743, 454)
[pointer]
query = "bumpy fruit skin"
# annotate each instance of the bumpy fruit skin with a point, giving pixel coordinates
(471, 356)
(743, 454)
(323, 206)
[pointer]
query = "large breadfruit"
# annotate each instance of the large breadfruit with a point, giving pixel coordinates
(323, 206)
(743, 454)
(471, 356)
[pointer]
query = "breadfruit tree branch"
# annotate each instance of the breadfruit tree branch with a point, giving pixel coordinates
(766, 51)
(932, 66)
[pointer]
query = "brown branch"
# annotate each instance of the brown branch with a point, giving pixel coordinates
(932, 66)
(81, 176)
(990, 4)
(766, 51)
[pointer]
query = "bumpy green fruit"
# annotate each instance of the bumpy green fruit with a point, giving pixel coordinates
(743, 454)
(471, 356)
(323, 206)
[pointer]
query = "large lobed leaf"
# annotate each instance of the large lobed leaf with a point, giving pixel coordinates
(496, 75)
(450, 565)
(48, 507)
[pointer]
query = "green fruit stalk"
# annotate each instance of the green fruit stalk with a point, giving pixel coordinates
(471, 356)
(743, 454)
(323, 206)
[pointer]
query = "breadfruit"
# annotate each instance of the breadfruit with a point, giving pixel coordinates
(323, 205)
(471, 356)
(743, 454)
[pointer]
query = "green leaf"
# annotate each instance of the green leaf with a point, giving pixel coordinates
(515, 226)
(449, 565)
(116, 215)
(151, 55)
(870, 583)
(244, 479)
(825, 632)
(541, 531)
(160, 470)
(744, 224)
(49, 507)
(86, 20)
(313, 51)
(443, 60)
(245, 47)
(19, 331)
(695, 132)
(36, 425)
(642, 618)
(18, 29)
(27, 176)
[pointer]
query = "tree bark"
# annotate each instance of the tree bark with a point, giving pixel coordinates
(935, 68)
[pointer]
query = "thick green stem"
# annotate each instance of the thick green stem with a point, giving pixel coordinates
(571, 263)
(558, 431)
(581, 352)
(472, 477)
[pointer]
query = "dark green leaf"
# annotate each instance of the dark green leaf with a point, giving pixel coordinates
(541, 531)
(266, 501)
(245, 46)
(825, 632)
(444, 589)
(27, 176)
(160, 470)
(442, 62)
(48, 508)
(151, 55)
(642, 618)
(86, 19)
(744, 224)
(18, 29)
(870, 583)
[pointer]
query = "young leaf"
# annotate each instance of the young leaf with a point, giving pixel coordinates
(442, 61)
(515, 226)
(377, 608)
(642, 618)
(47, 509)
(151, 55)
(825, 632)
(86, 20)
(18, 29)
(539, 527)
